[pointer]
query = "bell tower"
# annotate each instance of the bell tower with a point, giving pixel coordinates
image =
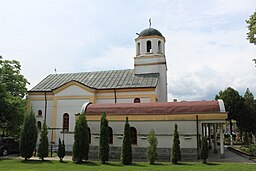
(150, 58)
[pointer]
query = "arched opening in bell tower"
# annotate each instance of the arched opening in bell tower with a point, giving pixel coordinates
(149, 46)
(138, 49)
(159, 47)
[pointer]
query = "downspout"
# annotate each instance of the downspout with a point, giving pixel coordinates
(115, 94)
(45, 105)
(197, 137)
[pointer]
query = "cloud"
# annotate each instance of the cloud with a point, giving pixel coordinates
(206, 46)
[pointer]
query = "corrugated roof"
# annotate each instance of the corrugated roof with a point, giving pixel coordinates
(155, 108)
(99, 80)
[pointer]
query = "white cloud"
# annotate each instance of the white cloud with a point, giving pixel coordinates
(206, 46)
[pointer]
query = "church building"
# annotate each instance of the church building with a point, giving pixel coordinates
(139, 94)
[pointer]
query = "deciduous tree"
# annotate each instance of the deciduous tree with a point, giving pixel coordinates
(247, 122)
(251, 35)
(233, 104)
(12, 93)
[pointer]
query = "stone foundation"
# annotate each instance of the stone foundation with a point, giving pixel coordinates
(140, 154)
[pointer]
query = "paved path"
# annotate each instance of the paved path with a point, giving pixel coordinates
(229, 157)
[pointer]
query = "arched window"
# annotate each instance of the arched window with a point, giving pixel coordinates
(39, 125)
(39, 112)
(133, 135)
(65, 122)
(149, 47)
(110, 135)
(89, 134)
(138, 48)
(136, 100)
(159, 47)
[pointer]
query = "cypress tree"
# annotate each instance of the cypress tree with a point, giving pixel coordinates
(126, 155)
(28, 136)
(176, 153)
(103, 142)
(81, 137)
(204, 150)
(152, 140)
(43, 145)
(61, 150)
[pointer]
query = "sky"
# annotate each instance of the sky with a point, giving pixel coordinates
(206, 46)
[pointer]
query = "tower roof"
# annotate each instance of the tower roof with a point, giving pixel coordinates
(150, 32)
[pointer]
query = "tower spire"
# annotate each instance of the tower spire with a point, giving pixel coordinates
(149, 22)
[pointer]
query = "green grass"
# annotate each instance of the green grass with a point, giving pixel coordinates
(37, 165)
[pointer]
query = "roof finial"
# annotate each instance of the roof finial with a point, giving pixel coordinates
(149, 22)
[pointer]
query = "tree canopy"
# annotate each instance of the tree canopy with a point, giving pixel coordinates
(247, 123)
(12, 93)
(232, 101)
(251, 35)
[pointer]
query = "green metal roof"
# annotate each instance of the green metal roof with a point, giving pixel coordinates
(150, 32)
(113, 79)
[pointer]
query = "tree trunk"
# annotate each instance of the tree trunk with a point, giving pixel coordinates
(231, 132)
(204, 161)
(253, 138)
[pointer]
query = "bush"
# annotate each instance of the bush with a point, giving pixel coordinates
(28, 136)
(61, 150)
(43, 145)
(81, 137)
(176, 153)
(126, 155)
(152, 140)
(204, 150)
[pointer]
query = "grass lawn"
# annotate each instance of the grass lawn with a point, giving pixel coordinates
(37, 165)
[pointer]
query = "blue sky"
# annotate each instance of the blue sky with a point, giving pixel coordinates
(206, 46)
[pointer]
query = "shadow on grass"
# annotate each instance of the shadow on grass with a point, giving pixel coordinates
(87, 163)
(185, 164)
(63, 162)
(159, 164)
(36, 161)
(114, 164)
(212, 164)
(136, 164)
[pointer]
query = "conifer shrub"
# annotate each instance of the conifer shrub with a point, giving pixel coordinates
(204, 150)
(151, 152)
(28, 136)
(61, 150)
(43, 145)
(175, 152)
(103, 142)
(126, 155)
(81, 137)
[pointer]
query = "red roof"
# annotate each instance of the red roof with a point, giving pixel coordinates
(154, 108)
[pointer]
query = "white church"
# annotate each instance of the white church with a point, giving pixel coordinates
(139, 94)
